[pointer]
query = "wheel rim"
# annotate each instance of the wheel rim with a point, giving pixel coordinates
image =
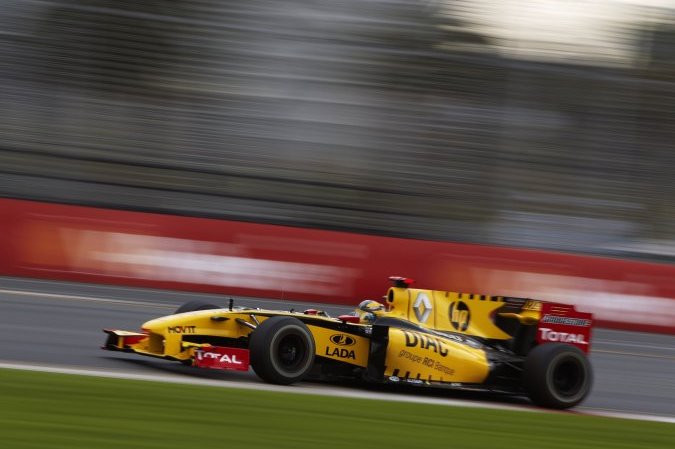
(568, 377)
(291, 352)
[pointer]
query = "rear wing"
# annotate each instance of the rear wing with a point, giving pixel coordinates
(562, 323)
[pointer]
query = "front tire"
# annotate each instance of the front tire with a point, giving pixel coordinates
(282, 350)
(557, 375)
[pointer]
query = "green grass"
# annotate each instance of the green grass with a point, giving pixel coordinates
(42, 410)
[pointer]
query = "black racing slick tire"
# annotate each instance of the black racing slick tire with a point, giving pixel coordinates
(192, 306)
(557, 375)
(282, 350)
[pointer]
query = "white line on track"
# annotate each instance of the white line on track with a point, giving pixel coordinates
(316, 391)
(87, 298)
(133, 302)
(623, 415)
(633, 354)
(636, 345)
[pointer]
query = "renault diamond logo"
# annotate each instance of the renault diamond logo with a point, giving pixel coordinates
(422, 307)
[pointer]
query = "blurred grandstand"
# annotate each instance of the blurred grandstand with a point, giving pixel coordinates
(397, 117)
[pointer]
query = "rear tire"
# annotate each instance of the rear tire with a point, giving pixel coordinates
(282, 350)
(192, 306)
(557, 375)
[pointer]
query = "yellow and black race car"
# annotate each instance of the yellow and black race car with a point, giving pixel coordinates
(422, 337)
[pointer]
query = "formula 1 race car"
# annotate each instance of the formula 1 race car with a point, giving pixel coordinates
(422, 337)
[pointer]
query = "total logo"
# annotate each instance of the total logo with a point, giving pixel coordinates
(223, 358)
(562, 337)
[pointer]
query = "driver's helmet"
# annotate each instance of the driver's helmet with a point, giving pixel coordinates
(369, 310)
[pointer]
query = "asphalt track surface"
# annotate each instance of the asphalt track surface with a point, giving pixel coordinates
(59, 324)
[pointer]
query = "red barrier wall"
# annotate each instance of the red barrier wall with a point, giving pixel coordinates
(163, 251)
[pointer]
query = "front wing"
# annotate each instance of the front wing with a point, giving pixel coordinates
(199, 355)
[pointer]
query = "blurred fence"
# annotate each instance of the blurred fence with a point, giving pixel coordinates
(384, 117)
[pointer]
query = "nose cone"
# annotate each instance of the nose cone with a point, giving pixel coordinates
(159, 325)
(181, 323)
